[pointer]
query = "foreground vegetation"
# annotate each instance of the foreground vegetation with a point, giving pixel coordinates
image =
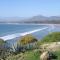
(51, 37)
(29, 55)
(28, 47)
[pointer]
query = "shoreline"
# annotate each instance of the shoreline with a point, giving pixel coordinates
(28, 24)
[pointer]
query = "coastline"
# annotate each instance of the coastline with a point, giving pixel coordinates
(29, 24)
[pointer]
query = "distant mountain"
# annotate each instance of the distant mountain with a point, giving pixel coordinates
(54, 18)
(34, 19)
(44, 19)
(40, 17)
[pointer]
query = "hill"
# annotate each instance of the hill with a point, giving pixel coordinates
(34, 19)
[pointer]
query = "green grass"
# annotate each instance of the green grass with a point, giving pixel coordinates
(29, 55)
(51, 37)
(57, 53)
(32, 56)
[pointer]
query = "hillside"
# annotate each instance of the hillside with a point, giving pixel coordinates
(29, 48)
(34, 19)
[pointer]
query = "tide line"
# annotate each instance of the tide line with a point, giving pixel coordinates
(12, 36)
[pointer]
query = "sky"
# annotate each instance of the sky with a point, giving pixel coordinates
(29, 8)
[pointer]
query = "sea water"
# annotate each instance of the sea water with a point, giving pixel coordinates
(9, 29)
(12, 32)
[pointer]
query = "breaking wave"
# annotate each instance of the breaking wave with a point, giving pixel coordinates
(12, 36)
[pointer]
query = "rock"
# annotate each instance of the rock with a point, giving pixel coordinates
(44, 56)
(47, 56)
(54, 46)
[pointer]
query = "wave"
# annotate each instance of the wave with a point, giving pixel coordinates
(12, 36)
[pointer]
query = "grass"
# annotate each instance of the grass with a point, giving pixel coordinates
(29, 55)
(52, 37)
(57, 53)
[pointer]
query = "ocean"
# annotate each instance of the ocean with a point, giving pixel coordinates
(17, 30)
(12, 32)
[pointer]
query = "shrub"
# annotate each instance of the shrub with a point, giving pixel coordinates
(26, 41)
(52, 37)
(4, 51)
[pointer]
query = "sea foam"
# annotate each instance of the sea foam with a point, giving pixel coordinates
(12, 36)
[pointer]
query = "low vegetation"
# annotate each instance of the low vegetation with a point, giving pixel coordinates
(28, 55)
(28, 47)
(4, 51)
(27, 42)
(51, 37)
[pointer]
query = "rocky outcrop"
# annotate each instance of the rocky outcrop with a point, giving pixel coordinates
(54, 46)
(44, 56)
(47, 55)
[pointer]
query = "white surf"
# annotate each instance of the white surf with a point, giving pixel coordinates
(12, 36)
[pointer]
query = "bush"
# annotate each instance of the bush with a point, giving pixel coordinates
(4, 51)
(27, 42)
(52, 37)
(2, 41)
